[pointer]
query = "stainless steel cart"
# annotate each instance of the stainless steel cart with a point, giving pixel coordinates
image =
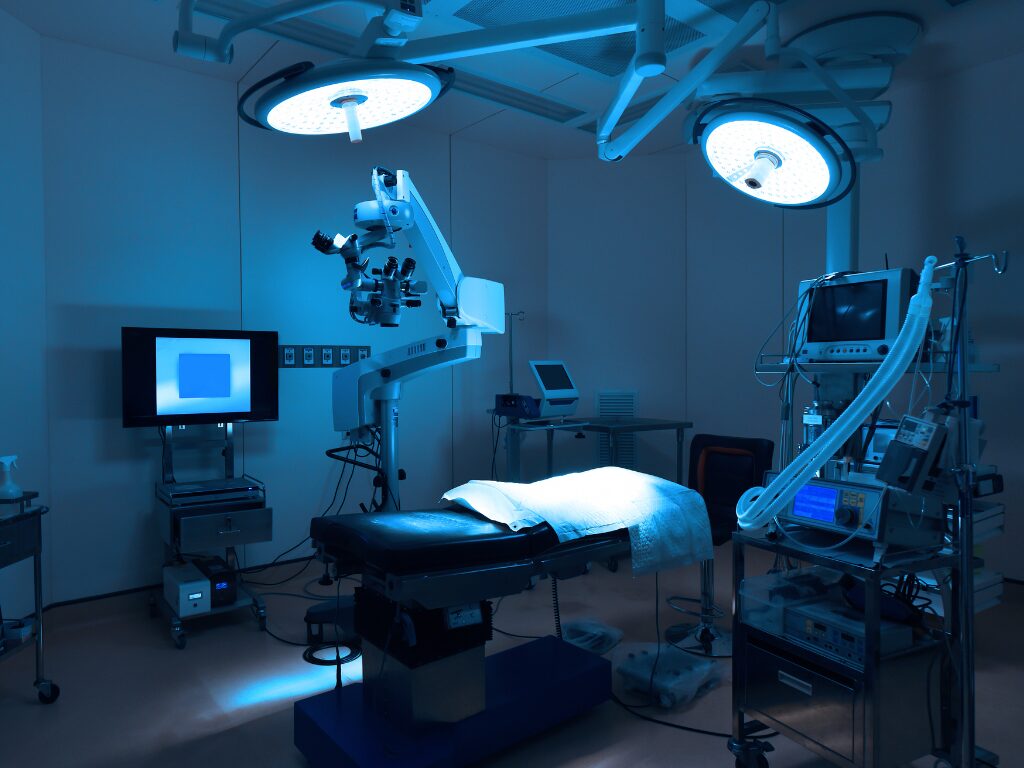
(21, 537)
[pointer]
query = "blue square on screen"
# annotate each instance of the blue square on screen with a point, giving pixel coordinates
(204, 375)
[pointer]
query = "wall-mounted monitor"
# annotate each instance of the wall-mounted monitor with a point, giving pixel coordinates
(187, 376)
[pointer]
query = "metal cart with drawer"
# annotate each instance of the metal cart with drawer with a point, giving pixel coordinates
(212, 515)
(881, 709)
(21, 537)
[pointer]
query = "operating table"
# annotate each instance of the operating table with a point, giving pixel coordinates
(423, 614)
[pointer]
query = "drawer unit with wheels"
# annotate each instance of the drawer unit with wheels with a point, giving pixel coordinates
(822, 703)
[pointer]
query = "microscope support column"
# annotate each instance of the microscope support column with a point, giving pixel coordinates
(388, 420)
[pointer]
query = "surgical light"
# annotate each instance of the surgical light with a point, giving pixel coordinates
(345, 96)
(775, 153)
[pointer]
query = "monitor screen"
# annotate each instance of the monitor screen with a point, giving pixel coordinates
(554, 377)
(187, 376)
(813, 502)
(848, 312)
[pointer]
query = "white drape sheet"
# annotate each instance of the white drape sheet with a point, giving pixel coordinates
(667, 523)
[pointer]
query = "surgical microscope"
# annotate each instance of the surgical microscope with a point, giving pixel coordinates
(365, 394)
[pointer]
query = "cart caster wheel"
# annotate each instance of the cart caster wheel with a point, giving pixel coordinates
(179, 641)
(942, 763)
(262, 620)
(760, 761)
(49, 693)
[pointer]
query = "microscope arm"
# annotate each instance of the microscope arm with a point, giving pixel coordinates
(359, 386)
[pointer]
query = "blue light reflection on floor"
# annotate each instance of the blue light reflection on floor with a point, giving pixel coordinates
(294, 685)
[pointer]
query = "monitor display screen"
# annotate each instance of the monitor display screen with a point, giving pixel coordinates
(187, 376)
(814, 502)
(848, 312)
(554, 377)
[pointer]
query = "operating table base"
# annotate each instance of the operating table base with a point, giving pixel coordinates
(530, 689)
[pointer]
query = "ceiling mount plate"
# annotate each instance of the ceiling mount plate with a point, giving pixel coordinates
(866, 37)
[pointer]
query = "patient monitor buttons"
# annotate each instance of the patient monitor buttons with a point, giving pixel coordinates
(463, 616)
(852, 350)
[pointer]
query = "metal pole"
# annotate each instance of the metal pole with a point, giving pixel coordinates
(167, 456)
(37, 574)
(551, 451)
(388, 419)
(966, 504)
(511, 374)
(229, 450)
(679, 455)
(842, 233)
(513, 444)
(515, 36)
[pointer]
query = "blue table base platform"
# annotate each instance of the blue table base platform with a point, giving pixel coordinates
(530, 688)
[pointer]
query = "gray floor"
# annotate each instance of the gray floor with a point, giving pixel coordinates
(129, 698)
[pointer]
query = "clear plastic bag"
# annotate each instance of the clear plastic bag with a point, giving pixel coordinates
(591, 635)
(679, 677)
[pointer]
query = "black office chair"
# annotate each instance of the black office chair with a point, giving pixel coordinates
(721, 470)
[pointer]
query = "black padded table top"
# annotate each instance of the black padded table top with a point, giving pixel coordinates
(412, 542)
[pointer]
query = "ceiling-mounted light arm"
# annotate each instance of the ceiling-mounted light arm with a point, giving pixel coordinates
(649, 60)
(870, 129)
(513, 37)
(205, 48)
(618, 148)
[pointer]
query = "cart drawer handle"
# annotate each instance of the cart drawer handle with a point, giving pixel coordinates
(796, 683)
(5, 544)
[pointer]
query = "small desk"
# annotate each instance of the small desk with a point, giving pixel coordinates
(21, 537)
(613, 426)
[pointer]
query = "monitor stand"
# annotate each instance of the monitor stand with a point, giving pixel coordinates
(167, 459)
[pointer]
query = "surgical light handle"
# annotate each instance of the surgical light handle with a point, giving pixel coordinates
(758, 506)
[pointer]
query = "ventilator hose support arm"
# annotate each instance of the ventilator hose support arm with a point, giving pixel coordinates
(758, 506)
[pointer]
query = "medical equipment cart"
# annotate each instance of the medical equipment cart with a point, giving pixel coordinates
(209, 515)
(879, 711)
(21, 537)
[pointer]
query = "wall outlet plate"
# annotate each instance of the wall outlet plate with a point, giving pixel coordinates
(319, 355)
